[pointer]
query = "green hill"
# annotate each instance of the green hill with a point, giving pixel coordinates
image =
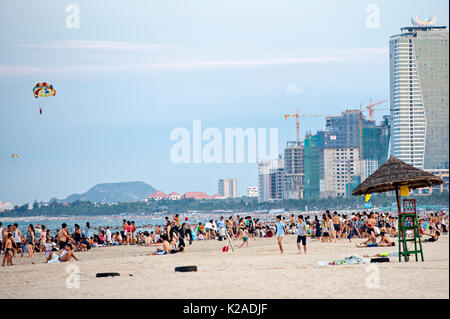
(114, 193)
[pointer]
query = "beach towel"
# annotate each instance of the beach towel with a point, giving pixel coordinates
(350, 260)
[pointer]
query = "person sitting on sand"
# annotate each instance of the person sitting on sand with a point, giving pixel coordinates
(385, 241)
(62, 256)
(166, 248)
(147, 239)
(370, 242)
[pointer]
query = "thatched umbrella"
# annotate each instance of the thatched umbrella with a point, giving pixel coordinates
(393, 174)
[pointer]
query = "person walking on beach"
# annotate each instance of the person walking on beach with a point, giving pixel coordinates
(9, 250)
(336, 226)
(301, 234)
(87, 230)
(280, 229)
(292, 223)
(222, 229)
(108, 236)
(129, 232)
(176, 219)
(30, 241)
(124, 229)
(17, 235)
(42, 239)
(133, 232)
(325, 235)
(245, 237)
(317, 227)
(182, 235)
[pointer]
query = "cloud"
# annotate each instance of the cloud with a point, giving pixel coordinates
(99, 45)
(348, 56)
(292, 89)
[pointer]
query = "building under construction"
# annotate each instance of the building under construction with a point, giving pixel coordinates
(294, 170)
(332, 157)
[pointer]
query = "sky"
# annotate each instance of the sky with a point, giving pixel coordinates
(133, 71)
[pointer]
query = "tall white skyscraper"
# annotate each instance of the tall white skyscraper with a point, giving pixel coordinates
(419, 95)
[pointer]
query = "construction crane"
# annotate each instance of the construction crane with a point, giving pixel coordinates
(370, 108)
(297, 122)
(297, 116)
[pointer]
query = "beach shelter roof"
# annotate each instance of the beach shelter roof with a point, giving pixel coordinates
(393, 174)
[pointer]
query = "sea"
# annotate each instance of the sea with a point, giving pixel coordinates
(143, 223)
(147, 222)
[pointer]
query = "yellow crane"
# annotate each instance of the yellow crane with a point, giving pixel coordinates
(297, 120)
(297, 116)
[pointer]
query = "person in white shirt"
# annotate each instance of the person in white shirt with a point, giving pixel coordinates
(208, 229)
(108, 236)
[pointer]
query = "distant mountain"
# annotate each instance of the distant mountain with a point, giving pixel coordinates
(114, 192)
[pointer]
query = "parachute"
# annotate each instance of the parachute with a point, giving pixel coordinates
(14, 156)
(43, 89)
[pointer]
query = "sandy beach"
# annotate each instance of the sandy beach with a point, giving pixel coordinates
(259, 271)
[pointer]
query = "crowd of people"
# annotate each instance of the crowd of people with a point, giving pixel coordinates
(375, 230)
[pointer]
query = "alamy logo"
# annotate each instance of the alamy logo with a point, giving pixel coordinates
(373, 279)
(218, 150)
(373, 19)
(73, 278)
(73, 19)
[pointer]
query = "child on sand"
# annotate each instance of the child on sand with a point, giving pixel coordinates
(9, 250)
(245, 237)
(301, 234)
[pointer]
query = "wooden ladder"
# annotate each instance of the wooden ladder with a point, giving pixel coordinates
(408, 221)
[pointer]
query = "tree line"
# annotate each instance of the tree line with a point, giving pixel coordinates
(243, 204)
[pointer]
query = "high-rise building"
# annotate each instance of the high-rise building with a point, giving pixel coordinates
(276, 183)
(252, 191)
(419, 95)
(343, 130)
(325, 173)
(340, 165)
(294, 171)
(375, 147)
(228, 187)
(312, 172)
(265, 182)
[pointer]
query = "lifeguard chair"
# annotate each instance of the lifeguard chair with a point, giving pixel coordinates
(407, 220)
